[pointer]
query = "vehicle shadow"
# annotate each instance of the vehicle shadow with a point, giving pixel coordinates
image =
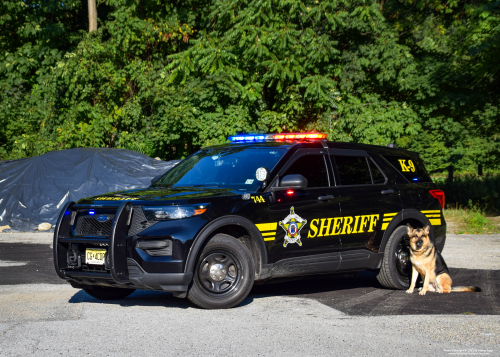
(317, 284)
(137, 298)
(144, 298)
(354, 294)
(361, 294)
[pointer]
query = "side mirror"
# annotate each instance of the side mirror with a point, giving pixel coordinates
(294, 181)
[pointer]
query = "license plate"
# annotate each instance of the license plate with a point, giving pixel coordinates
(95, 256)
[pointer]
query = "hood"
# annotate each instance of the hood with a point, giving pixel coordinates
(150, 195)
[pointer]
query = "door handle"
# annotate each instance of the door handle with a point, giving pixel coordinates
(388, 192)
(324, 198)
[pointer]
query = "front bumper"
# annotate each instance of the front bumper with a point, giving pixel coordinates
(150, 281)
(122, 270)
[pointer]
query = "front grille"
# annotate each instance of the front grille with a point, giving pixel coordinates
(139, 222)
(95, 269)
(88, 225)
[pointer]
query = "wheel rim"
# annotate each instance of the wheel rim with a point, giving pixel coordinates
(219, 273)
(403, 263)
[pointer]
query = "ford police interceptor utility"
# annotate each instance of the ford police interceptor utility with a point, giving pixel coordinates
(262, 207)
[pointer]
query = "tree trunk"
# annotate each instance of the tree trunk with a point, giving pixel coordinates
(92, 15)
(450, 173)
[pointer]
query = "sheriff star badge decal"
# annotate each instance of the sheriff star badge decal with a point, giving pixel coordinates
(292, 225)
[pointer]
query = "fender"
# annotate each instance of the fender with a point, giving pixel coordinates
(206, 231)
(403, 216)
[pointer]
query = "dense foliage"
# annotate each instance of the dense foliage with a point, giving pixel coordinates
(472, 192)
(167, 78)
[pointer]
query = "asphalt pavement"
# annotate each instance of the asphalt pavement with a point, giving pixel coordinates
(324, 315)
(354, 294)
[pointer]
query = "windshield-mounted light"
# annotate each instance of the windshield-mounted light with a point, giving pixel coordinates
(164, 213)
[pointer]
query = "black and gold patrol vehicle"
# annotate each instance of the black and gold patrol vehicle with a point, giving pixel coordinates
(264, 206)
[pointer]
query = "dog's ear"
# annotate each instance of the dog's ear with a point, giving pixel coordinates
(427, 229)
(409, 229)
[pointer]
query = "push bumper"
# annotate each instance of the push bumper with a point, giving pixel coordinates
(123, 271)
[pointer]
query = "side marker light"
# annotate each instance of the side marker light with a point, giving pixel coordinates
(290, 192)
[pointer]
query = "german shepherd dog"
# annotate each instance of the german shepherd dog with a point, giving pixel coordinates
(429, 263)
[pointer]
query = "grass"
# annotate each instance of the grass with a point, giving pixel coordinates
(470, 221)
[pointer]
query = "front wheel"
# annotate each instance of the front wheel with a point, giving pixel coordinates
(104, 293)
(395, 272)
(224, 274)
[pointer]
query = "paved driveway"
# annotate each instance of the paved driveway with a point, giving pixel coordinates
(329, 315)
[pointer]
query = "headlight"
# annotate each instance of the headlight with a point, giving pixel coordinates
(163, 213)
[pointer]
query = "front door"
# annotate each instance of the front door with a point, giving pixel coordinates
(304, 218)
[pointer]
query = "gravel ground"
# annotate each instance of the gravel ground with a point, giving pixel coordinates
(45, 319)
(472, 251)
(31, 238)
(51, 320)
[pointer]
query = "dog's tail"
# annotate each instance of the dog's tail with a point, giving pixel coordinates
(472, 289)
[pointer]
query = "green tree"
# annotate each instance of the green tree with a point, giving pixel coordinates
(165, 79)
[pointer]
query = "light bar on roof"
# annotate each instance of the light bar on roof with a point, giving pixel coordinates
(277, 137)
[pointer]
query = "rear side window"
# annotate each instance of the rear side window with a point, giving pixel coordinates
(353, 170)
(313, 168)
(411, 168)
(356, 170)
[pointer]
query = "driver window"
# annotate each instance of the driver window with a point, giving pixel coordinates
(313, 168)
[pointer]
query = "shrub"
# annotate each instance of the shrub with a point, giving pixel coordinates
(472, 191)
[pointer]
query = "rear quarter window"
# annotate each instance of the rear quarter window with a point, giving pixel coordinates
(412, 168)
(353, 170)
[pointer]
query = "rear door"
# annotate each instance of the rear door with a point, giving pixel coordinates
(369, 199)
(415, 187)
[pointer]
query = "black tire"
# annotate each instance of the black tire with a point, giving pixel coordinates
(224, 274)
(395, 272)
(104, 293)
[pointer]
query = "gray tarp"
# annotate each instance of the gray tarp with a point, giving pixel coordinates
(33, 190)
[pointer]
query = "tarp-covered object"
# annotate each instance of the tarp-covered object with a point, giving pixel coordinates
(33, 190)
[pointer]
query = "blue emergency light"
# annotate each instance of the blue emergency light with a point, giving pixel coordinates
(247, 138)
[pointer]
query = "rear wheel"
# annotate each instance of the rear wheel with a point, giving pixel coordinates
(104, 293)
(395, 272)
(224, 274)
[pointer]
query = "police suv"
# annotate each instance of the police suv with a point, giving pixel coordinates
(264, 206)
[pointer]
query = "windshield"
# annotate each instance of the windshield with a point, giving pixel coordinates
(232, 167)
